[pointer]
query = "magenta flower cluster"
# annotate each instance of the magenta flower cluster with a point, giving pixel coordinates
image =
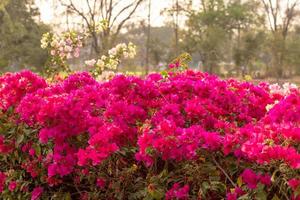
(83, 122)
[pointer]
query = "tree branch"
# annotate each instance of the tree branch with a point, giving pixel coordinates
(128, 17)
(223, 171)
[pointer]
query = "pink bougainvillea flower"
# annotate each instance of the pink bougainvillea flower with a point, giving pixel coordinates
(81, 123)
(233, 195)
(2, 181)
(177, 192)
(31, 152)
(265, 179)
(294, 183)
(250, 178)
(12, 186)
(174, 65)
(36, 193)
(101, 183)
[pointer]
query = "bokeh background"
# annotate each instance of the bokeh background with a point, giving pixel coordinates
(231, 38)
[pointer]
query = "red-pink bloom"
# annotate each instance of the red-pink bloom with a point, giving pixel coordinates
(83, 122)
(31, 152)
(84, 196)
(12, 186)
(14, 86)
(231, 196)
(294, 183)
(237, 192)
(36, 193)
(171, 66)
(5, 147)
(265, 179)
(177, 192)
(2, 181)
(174, 65)
(250, 178)
(101, 183)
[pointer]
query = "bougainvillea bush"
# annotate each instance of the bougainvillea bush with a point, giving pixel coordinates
(180, 135)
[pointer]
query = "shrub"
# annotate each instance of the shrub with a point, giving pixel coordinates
(183, 135)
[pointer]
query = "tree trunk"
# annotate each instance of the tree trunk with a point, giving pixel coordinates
(148, 39)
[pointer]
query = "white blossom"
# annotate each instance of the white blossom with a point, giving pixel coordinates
(90, 62)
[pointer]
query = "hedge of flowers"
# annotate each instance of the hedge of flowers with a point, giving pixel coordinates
(180, 135)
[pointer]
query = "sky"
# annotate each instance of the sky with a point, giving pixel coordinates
(48, 11)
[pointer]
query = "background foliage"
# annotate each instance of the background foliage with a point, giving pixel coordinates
(20, 36)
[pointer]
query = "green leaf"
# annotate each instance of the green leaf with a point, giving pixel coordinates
(67, 196)
(20, 139)
(157, 194)
(297, 191)
(244, 197)
(239, 181)
(205, 187)
(261, 194)
(138, 195)
(3, 3)
(164, 74)
(38, 150)
(275, 197)
(164, 173)
(149, 150)
(27, 132)
(218, 186)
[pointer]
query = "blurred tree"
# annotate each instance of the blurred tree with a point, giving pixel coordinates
(208, 33)
(216, 31)
(248, 50)
(3, 3)
(177, 11)
(281, 14)
(247, 25)
(160, 44)
(115, 13)
(20, 36)
(292, 52)
(148, 38)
